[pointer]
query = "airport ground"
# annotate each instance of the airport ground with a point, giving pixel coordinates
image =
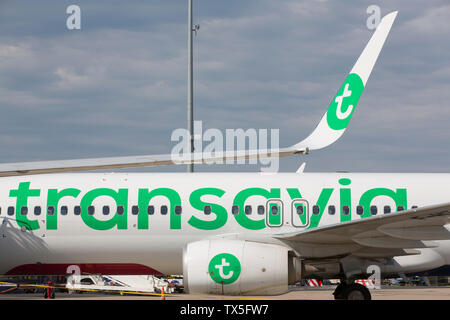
(385, 293)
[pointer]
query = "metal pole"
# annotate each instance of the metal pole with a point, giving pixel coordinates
(190, 96)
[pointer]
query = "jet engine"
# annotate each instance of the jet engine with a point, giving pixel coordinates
(235, 267)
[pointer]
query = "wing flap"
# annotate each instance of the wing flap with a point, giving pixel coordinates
(417, 233)
(389, 243)
(375, 253)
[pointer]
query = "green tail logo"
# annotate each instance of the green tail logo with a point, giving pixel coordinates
(342, 107)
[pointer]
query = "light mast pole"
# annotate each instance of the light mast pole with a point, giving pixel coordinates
(190, 93)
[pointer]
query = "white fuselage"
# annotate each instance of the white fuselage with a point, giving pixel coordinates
(156, 240)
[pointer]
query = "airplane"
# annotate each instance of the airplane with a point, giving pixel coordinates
(229, 233)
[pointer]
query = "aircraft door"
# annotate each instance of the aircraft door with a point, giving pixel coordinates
(274, 215)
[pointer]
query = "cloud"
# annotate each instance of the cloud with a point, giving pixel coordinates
(118, 86)
(11, 51)
(434, 21)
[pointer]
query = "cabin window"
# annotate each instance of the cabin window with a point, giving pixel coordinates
(105, 210)
(164, 210)
(235, 209)
(359, 210)
(331, 210)
(387, 209)
(207, 210)
(91, 210)
(248, 210)
(76, 210)
(64, 210)
(150, 210)
(120, 210)
(300, 210)
(274, 209)
(373, 210)
(10, 211)
(24, 211)
(261, 210)
(134, 210)
(37, 210)
(50, 210)
(346, 210)
(414, 207)
(178, 210)
(400, 208)
(316, 210)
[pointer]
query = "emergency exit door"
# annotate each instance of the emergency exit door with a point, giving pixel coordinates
(300, 213)
(274, 216)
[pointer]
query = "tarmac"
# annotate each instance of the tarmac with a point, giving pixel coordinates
(389, 293)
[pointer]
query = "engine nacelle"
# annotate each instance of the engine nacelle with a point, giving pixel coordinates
(235, 267)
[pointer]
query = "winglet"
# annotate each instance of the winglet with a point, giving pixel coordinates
(333, 124)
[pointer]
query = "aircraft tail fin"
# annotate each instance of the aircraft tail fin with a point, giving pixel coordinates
(333, 124)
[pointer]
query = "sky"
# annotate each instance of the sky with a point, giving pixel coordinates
(118, 86)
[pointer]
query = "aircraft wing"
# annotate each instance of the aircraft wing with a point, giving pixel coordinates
(331, 127)
(381, 236)
(55, 166)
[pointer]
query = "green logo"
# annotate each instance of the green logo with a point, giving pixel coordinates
(224, 268)
(341, 108)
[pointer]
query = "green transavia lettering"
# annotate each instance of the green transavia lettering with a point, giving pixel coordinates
(222, 214)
